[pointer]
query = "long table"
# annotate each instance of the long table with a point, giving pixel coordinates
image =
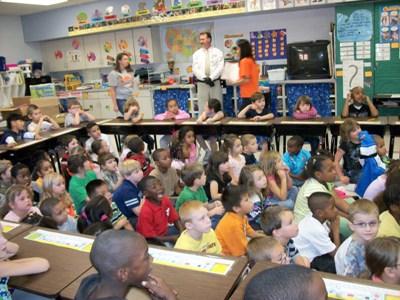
(66, 265)
(188, 283)
(11, 229)
(337, 286)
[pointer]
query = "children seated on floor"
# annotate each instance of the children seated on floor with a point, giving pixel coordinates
(267, 249)
(289, 282)
(79, 167)
(250, 147)
(136, 147)
(5, 179)
(281, 190)
(315, 231)
(94, 133)
(125, 265)
(55, 209)
(218, 177)
(364, 222)
(390, 218)
(194, 178)
(233, 147)
(165, 173)
(127, 196)
(76, 114)
(382, 259)
(296, 158)
(198, 235)
(278, 222)
(109, 171)
(233, 229)
(96, 210)
(158, 218)
(183, 148)
(358, 105)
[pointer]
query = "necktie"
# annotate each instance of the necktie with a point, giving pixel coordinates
(207, 64)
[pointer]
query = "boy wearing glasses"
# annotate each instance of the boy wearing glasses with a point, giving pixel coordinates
(364, 222)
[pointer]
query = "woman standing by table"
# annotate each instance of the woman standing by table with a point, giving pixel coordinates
(121, 81)
(249, 73)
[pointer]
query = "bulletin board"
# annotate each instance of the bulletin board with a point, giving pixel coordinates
(354, 50)
(387, 65)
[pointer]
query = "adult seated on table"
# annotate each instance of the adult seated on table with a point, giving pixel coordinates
(122, 261)
(290, 282)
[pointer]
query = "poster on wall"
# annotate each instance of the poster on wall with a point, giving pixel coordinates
(230, 48)
(285, 3)
(180, 42)
(269, 44)
(353, 75)
(253, 5)
(124, 43)
(389, 24)
(354, 28)
(298, 3)
(268, 4)
(143, 46)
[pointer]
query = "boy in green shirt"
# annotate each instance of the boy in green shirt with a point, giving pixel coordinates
(80, 178)
(194, 178)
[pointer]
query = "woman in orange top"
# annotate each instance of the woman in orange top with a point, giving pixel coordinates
(249, 73)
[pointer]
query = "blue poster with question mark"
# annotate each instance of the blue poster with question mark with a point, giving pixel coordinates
(357, 27)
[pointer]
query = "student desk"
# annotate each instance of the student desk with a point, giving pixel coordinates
(204, 128)
(394, 129)
(372, 125)
(11, 229)
(289, 126)
(119, 127)
(335, 285)
(189, 284)
(243, 126)
(66, 265)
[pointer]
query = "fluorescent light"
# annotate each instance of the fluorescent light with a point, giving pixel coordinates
(35, 2)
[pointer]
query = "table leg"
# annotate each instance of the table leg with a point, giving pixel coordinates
(391, 145)
(277, 141)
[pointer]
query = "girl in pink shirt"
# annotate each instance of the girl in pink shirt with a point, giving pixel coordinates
(172, 113)
(19, 203)
(304, 110)
(183, 148)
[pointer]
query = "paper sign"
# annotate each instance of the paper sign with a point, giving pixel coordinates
(230, 72)
(356, 27)
(382, 51)
(60, 240)
(346, 51)
(7, 226)
(209, 264)
(353, 75)
(339, 289)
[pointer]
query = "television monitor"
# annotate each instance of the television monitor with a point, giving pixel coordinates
(308, 60)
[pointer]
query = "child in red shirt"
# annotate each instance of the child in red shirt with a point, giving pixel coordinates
(157, 212)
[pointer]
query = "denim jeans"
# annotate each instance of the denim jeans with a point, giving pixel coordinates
(290, 199)
(121, 104)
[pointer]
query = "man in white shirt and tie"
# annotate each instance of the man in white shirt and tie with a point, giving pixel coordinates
(208, 63)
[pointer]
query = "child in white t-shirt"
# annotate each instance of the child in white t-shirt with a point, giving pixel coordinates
(314, 241)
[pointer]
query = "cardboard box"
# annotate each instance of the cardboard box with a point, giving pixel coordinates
(48, 105)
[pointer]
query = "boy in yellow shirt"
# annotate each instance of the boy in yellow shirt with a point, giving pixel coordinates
(198, 236)
(233, 229)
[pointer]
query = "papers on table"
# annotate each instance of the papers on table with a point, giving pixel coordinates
(8, 226)
(202, 263)
(61, 240)
(339, 289)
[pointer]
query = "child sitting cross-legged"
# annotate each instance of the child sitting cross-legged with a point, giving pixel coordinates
(266, 248)
(278, 222)
(250, 147)
(158, 218)
(194, 177)
(165, 173)
(19, 203)
(55, 209)
(382, 259)
(364, 222)
(234, 229)
(296, 159)
(318, 236)
(79, 166)
(136, 147)
(98, 187)
(127, 195)
(109, 170)
(198, 235)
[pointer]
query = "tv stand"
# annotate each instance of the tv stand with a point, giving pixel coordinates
(283, 84)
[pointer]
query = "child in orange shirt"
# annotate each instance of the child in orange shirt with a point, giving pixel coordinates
(233, 229)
